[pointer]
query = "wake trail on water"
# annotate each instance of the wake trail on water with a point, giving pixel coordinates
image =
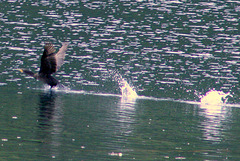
(212, 98)
(127, 91)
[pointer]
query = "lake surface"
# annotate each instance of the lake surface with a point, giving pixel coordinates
(170, 52)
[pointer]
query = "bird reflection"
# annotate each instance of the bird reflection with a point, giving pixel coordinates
(46, 105)
(50, 122)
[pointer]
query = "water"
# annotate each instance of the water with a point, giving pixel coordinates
(145, 80)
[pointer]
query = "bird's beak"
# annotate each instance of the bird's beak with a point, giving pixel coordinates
(20, 70)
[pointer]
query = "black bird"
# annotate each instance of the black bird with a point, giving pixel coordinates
(50, 63)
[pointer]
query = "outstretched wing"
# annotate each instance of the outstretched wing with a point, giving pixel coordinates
(49, 48)
(60, 56)
(50, 61)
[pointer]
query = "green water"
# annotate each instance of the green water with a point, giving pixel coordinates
(170, 52)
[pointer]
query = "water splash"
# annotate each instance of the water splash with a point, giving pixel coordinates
(214, 97)
(126, 90)
(59, 87)
(214, 102)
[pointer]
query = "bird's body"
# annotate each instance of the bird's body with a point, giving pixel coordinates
(50, 63)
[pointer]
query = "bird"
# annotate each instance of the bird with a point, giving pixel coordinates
(50, 63)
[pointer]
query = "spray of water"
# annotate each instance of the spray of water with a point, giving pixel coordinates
(214, 97)
(126, 90)
(59, 87)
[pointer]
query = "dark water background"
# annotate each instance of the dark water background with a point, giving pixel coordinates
(171, 52)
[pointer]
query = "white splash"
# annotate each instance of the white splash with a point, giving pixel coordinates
(59, 87)
(214, 108)
(214, 97)
(126, 89)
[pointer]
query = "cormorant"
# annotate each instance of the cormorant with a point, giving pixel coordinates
(50, 63)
